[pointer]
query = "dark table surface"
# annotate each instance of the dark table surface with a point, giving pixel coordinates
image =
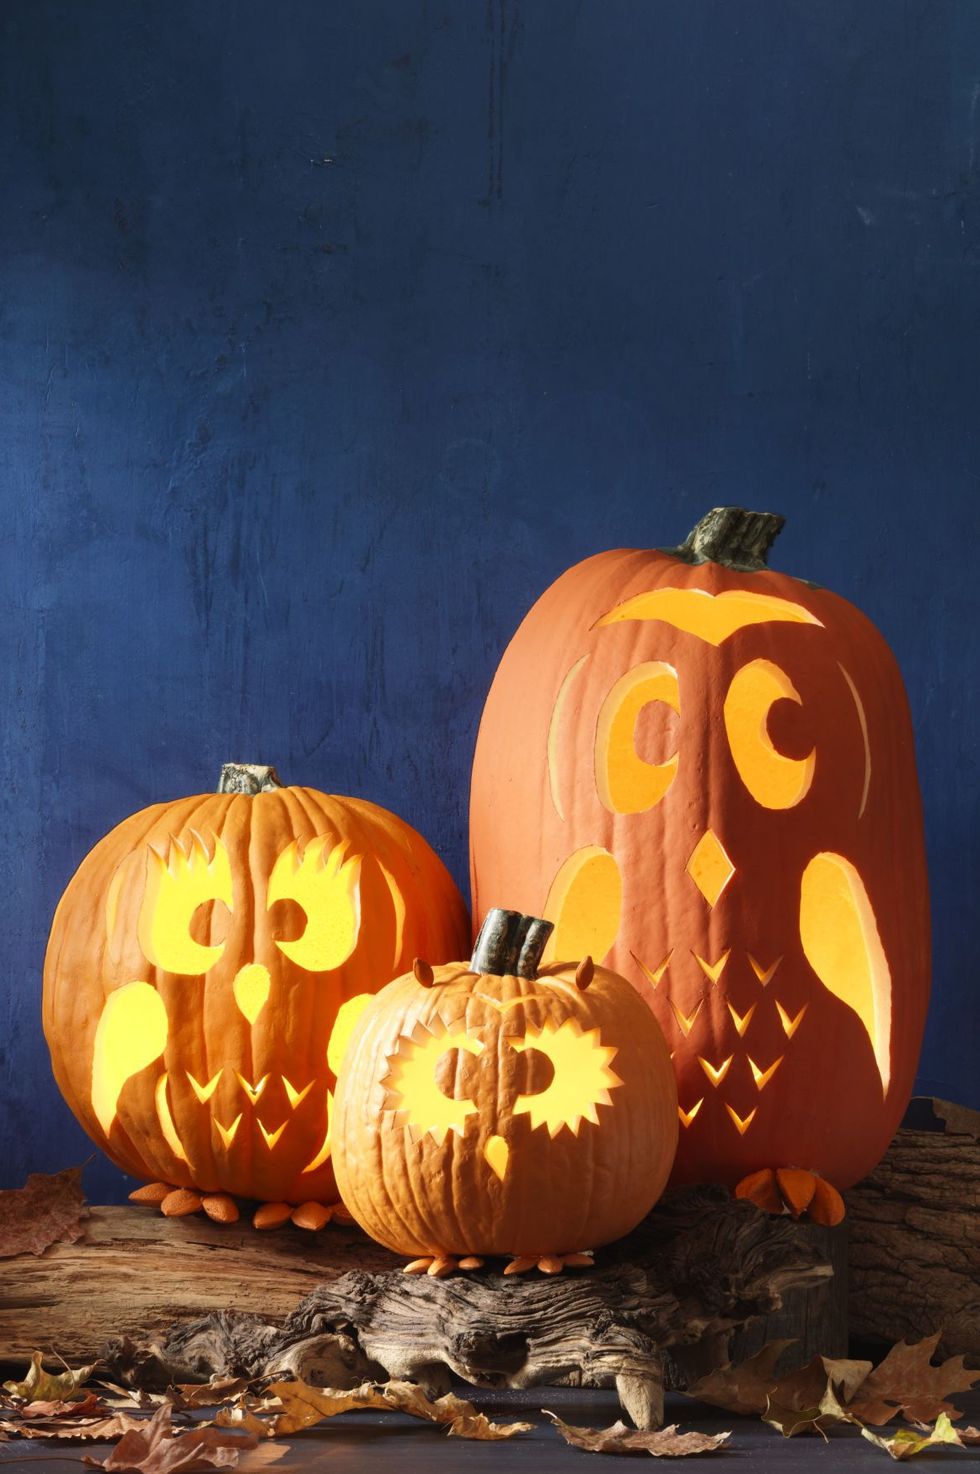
(368, 1442)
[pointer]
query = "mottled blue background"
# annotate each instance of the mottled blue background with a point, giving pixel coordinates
(331, 332)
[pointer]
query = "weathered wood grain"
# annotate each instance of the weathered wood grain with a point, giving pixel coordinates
(915, 1238)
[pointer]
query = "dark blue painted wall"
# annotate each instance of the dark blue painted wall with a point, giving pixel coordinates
(331, 332)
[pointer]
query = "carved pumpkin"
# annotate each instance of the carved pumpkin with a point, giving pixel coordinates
(489, 1108)
(702, 771)
(205, 967)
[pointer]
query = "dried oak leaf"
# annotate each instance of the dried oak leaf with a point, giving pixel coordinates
(41, 1386)
(77, 1430)
(47, 1208)
(664, 1443)
(907, 1382)
(154, 1448)
(745, 1387)
(815, 1396)
(907, 1442)
(304, 1405)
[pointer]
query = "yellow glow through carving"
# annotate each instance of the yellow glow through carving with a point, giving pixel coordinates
(688, 1116)
(656, 974)
(585, 902)
(582, 1078)
(742, 1123)
(841, 943)
(497, 1154)
(711, 617)
(205, 1092)
(863, 723)
(347, 1016)
(625, 782)
(685, 1021)
(329, 893)
(271, 1137)
(741, 1020)
(761, 1076)
(710, 867)
(227, 1133)
(131, 1034)
(252, 1091)
(554, 734)
(325, 1149)
(293, 1095)
(774, 781)
(716, 1073)
(764, 974)
(167, 1121)
(175, 887)
(790, 1025)
(713, 970)
(413, 1092)
(251, 989)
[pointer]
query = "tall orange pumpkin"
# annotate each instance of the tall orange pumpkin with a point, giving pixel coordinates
(206, 964)
(702, 771)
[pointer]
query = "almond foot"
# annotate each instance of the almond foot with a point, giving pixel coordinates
(795, 1191)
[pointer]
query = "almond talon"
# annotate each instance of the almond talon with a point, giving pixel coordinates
(472, 1261)
(312, 1216)
(220, 1207)
(181, 1203)
(441, 1267)
(417, 1266)
(272, 1215)
(153, 1193)
(583, 1260)
(521, 1264)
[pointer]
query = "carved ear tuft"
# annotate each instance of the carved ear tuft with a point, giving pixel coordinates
(584, 973)
(423, 972)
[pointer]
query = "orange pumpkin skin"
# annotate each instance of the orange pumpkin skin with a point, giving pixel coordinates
(420, 1191)
(783, 1056)
(220, 1068)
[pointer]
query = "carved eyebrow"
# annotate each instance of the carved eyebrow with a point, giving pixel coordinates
(710, 617)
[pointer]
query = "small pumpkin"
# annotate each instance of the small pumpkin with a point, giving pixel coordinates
(703, 772)
(204, 969)
(489, 1107)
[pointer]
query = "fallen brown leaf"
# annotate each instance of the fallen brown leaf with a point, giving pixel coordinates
(78, 1430)
(209, 1394)
(304, 1405)
(665, 1443)
(153, 1448)
(85, 1407)
(41, 1386)
(907, 1382)
(49, 1207)
(745, 1387)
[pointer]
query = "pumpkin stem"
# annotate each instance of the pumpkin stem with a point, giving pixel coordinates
(248, 778)
(510, 944)
(733, 537)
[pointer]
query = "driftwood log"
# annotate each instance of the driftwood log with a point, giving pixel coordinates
(915, 1234)
(661, 1305)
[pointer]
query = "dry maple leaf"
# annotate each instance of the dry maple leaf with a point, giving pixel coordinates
(41, 1386)
(664, 1443)
(47, 1208)
(907, 1382)
(153, 1448)
(74, 1430)
(745, 1387)
(907, 1442)
(304, 1405)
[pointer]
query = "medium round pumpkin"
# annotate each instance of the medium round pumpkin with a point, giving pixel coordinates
(206, 964)
(703, 772)
(492, 1108)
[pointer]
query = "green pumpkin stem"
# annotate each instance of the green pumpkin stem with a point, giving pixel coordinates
(733, 537)
(250, 778)
(510, 944)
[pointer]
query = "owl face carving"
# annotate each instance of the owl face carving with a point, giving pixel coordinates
(199, 1032)
(494, 1114)
(728, 815)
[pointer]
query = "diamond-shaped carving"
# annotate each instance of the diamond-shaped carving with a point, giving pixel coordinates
(710, 867)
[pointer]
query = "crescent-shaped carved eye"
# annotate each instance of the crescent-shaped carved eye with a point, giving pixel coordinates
(175, 886)
(774, 781)
(627, 783)
(325, 881)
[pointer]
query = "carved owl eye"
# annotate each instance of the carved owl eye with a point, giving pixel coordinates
(175, 887)
(774, 780)
(326, 885)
